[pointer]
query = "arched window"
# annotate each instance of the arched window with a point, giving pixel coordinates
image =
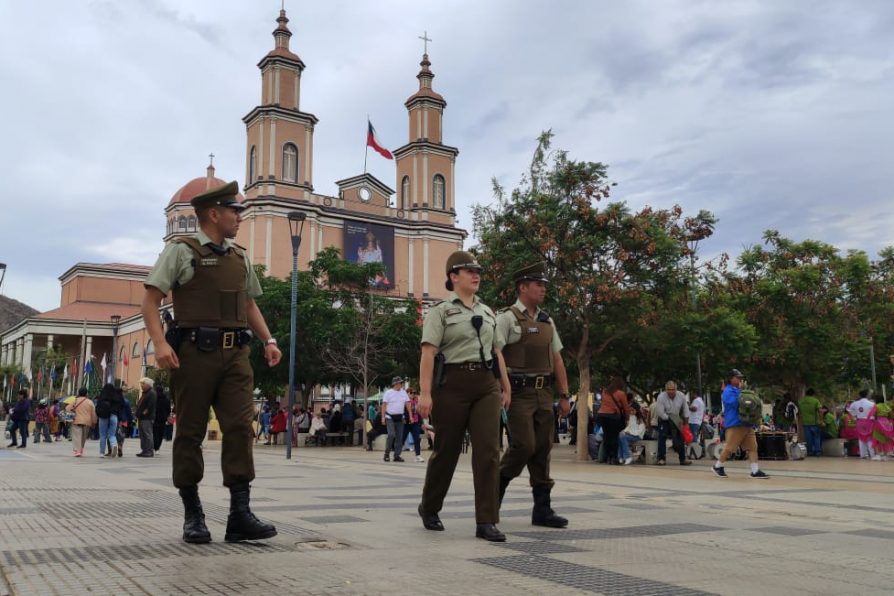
(181, 223)
(191, 223)
(290, 163)
(136, 350)
(150, 347)
(437, 192)
(252, 165)
(405, 193)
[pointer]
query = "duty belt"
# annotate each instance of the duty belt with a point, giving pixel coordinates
(537, 382)
(473, 366)
(210, 338)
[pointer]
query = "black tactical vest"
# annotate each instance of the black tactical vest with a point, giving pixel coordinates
(531, 354)
(216, 295)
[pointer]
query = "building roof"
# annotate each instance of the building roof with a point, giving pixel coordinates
(116, 270)
(197, 186)
(91, 311)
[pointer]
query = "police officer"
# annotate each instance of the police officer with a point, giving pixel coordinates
(460, 332)
(214, 289)
(531, 348)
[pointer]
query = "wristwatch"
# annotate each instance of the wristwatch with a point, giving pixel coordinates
(270, 342)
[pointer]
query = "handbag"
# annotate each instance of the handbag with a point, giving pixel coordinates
(67, 415)
(10, 424)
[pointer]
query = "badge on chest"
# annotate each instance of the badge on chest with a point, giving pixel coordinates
(533, 330)
(208, 262)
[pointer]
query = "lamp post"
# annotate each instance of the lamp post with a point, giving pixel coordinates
(296, 226)
(115, 320)
(2, 274)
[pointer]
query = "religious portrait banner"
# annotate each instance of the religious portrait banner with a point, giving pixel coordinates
(371, 243)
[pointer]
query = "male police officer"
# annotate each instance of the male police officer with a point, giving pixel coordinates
(531, 348)
(214, 287)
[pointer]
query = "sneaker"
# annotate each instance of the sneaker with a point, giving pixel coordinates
(686, 462)
(79, 453)
(759, 474)
(419, 459)
(876, 458)
(719, 471)
(103, 455)
(628, 461)
(661, 462)
(387, 457)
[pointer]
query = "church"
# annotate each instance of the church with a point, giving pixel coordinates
(412, 230)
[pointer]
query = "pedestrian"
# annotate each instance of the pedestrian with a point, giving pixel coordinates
(395, 405)
(264, 424)
(162, 411)
(465, 396)
(696, 417)
(84, 419)
(828, 424)
(145, 412)
(376, 429)
(809, 411)
(413, 426)
(42, 422)
(125, 420)
(863, 410)
(739, 433)
(529, 343)
(347, 418)
(210, 359)
(633, 432)
(278, 425)
(672, 414)
(107, 415)
(55, 423)
(613, 416)
(318, 429)
(20, 415)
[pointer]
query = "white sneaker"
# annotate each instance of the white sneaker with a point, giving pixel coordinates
(419, 459)
(876, 458)
(628, 461)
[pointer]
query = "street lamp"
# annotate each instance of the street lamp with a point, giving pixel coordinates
(296, 226)
(2, 274)
(115, 320)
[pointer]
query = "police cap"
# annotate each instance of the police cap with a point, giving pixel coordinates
(534, 272)
(221, 196)
(461, 260)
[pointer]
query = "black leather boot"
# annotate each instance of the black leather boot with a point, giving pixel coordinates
(543, 514)
(504, 483)
(242, 523)
(489, 532)
(194, 529)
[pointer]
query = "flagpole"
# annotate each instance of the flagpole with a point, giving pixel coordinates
(366, 145)
(83, 353)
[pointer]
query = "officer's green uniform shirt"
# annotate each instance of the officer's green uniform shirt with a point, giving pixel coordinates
(509, 329)
(448, 327)
(175, 265)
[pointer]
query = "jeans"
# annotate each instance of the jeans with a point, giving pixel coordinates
(412, 430)
(694, 428)
(108, 428)
(814, 439)
(624, 441)
(22, 427)
(667, 429)
(395, 427)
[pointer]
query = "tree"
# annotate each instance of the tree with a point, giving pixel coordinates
(612, 271)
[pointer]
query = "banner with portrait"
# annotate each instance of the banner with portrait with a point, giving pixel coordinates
(371, 243)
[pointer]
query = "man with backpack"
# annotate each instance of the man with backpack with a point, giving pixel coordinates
(741, 413)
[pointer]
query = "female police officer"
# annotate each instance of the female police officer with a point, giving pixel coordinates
(466, 395)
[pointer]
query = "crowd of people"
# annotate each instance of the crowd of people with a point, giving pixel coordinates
(107, 417)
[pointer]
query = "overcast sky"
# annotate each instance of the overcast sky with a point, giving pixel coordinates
(771, 114)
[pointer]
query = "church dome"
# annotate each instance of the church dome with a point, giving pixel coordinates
(197, 186)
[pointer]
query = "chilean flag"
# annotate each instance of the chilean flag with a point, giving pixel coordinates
(372, 141)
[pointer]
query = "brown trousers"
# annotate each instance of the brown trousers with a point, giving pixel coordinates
(740, 436)
(531, 425)
(468, 400)
(223, 380)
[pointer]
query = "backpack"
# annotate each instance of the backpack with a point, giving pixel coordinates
(750, 407)
(103, 409)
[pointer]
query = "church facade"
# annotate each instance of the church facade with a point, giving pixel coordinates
(411, 230)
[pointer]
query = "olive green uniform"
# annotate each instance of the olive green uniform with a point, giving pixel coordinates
(211, 290)
(528, 345)
(468, 399)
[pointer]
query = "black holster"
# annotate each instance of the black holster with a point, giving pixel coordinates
(439, 376)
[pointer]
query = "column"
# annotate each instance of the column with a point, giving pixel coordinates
(268, 245)
(411, 272)
(308, 156)
(26, 353)
(425, 182)
(17, 360)
(4, 353)
(49, 342)
(313, 240)
(425, 268)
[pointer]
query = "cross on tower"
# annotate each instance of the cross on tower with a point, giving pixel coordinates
(425, 39)
(211, 156)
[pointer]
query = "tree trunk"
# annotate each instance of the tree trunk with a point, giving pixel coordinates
(583, 394)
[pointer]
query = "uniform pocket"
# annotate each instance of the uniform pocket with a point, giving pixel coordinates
(232, 305)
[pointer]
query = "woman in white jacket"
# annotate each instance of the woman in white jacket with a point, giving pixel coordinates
(636, 428)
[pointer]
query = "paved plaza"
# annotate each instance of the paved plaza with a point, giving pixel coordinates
(348, 525)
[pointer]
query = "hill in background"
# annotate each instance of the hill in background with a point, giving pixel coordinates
(13, 311)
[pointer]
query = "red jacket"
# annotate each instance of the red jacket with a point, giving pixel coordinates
(278, 424)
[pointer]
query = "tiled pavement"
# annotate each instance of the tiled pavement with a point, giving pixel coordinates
(347, 525)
